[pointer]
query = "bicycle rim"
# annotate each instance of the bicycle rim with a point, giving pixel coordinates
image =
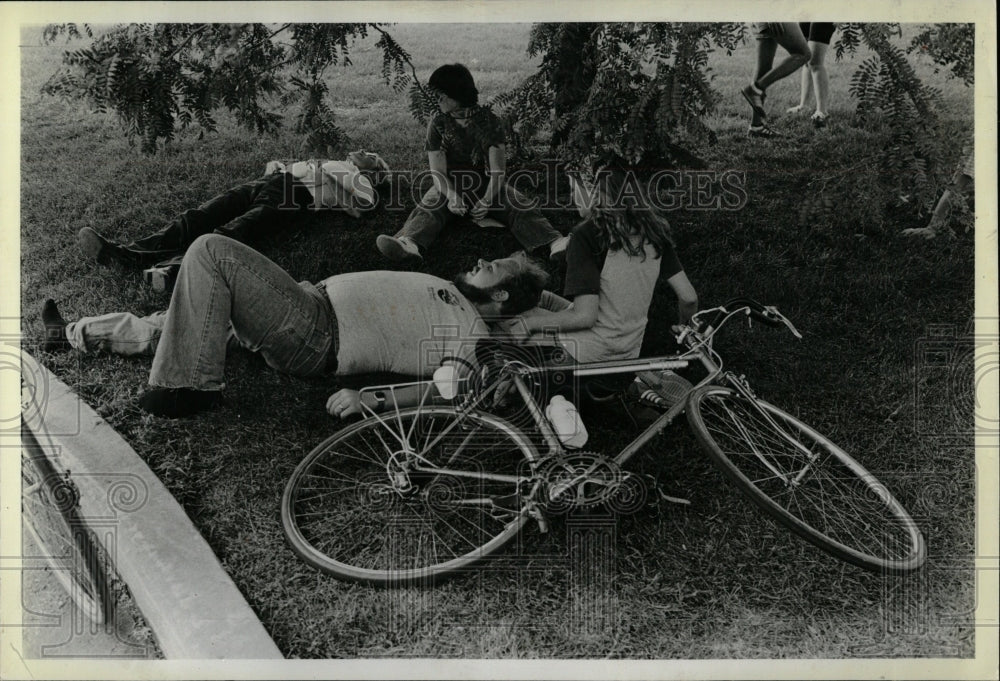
(49, 515)
(805, 482)
(344, 513)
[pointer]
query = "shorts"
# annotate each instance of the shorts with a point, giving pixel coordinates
(818, 33)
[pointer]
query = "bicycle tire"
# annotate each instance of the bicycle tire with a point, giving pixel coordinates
(835, 504)
(48, 507)
(343, 514)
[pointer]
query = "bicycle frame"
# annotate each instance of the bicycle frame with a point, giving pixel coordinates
(699, 350)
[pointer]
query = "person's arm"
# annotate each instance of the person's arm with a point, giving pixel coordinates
(438, 163)
(687, 297)
(346, 402)
(497, 171)
(581, 314)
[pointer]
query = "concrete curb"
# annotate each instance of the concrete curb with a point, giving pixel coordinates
(188, 600)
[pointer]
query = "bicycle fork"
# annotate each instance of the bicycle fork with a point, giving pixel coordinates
(743, 389)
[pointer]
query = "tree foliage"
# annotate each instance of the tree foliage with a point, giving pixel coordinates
(640, 91)
(951, 46)
(159, 78)
(890, 93)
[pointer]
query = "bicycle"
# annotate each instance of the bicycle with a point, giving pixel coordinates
(422, 492)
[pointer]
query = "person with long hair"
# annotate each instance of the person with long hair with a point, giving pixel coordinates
(613, 260)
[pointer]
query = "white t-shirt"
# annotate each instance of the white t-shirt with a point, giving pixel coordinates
(333, 184)
(401, 322)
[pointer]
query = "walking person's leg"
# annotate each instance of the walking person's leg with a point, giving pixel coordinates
(819, 36)
(789, 36)
(224, 282)
(820, 81)
(805, 88)
(791, 39)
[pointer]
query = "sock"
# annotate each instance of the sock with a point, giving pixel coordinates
(55, 328)
(175, 403)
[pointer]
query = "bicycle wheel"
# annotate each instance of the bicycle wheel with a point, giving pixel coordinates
(805, 482)
(48, 504)
(359, 508)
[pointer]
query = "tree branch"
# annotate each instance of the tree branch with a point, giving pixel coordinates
(413, 69)
(186, 41)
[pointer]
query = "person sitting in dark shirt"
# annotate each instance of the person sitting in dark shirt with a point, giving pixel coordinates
(465, 152)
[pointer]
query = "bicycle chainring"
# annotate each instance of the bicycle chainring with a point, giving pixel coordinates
(579, 480)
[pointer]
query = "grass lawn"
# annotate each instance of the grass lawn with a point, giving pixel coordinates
(714, 579)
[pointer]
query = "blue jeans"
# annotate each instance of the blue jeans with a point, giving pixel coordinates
(221, 283)
(513, 208)
(224, 289)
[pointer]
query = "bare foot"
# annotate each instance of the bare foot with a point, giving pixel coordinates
(796, 109)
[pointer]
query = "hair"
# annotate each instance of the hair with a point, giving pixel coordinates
(456, 81)
(382, 172)
(524, 288)
(622, 210)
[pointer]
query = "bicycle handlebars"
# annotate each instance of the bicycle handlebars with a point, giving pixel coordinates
(765, 314)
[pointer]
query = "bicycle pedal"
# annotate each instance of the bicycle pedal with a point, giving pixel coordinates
(662, 495)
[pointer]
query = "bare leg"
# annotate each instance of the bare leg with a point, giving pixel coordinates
(804, 92)
(820, 79)
(789, 36)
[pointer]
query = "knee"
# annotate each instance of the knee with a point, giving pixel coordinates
(804, 57)
(203, 245)
(816, 63)
(209, 247)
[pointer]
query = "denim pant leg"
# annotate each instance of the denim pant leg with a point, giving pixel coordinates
(185, 228)
(274, 201)
(427, 220)
(525, 220)
(224, 282)
(120, 333)
(241, 212)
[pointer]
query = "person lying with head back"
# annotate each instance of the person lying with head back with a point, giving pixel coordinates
(356, 323)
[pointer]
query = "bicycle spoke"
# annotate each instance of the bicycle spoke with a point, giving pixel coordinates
(807, 477)
(359, 513)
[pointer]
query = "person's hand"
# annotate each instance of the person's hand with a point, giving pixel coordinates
(478, 210)
(344, 403)
(777, 28)
(456, 205)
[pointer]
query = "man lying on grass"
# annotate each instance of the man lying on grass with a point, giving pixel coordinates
(247, 212)
(363, 322)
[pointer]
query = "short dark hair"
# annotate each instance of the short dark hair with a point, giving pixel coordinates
(524, 289)
(455, 81)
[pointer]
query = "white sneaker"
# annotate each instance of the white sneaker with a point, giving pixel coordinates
(397, 248)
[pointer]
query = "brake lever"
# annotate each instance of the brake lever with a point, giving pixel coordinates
(770, 309)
